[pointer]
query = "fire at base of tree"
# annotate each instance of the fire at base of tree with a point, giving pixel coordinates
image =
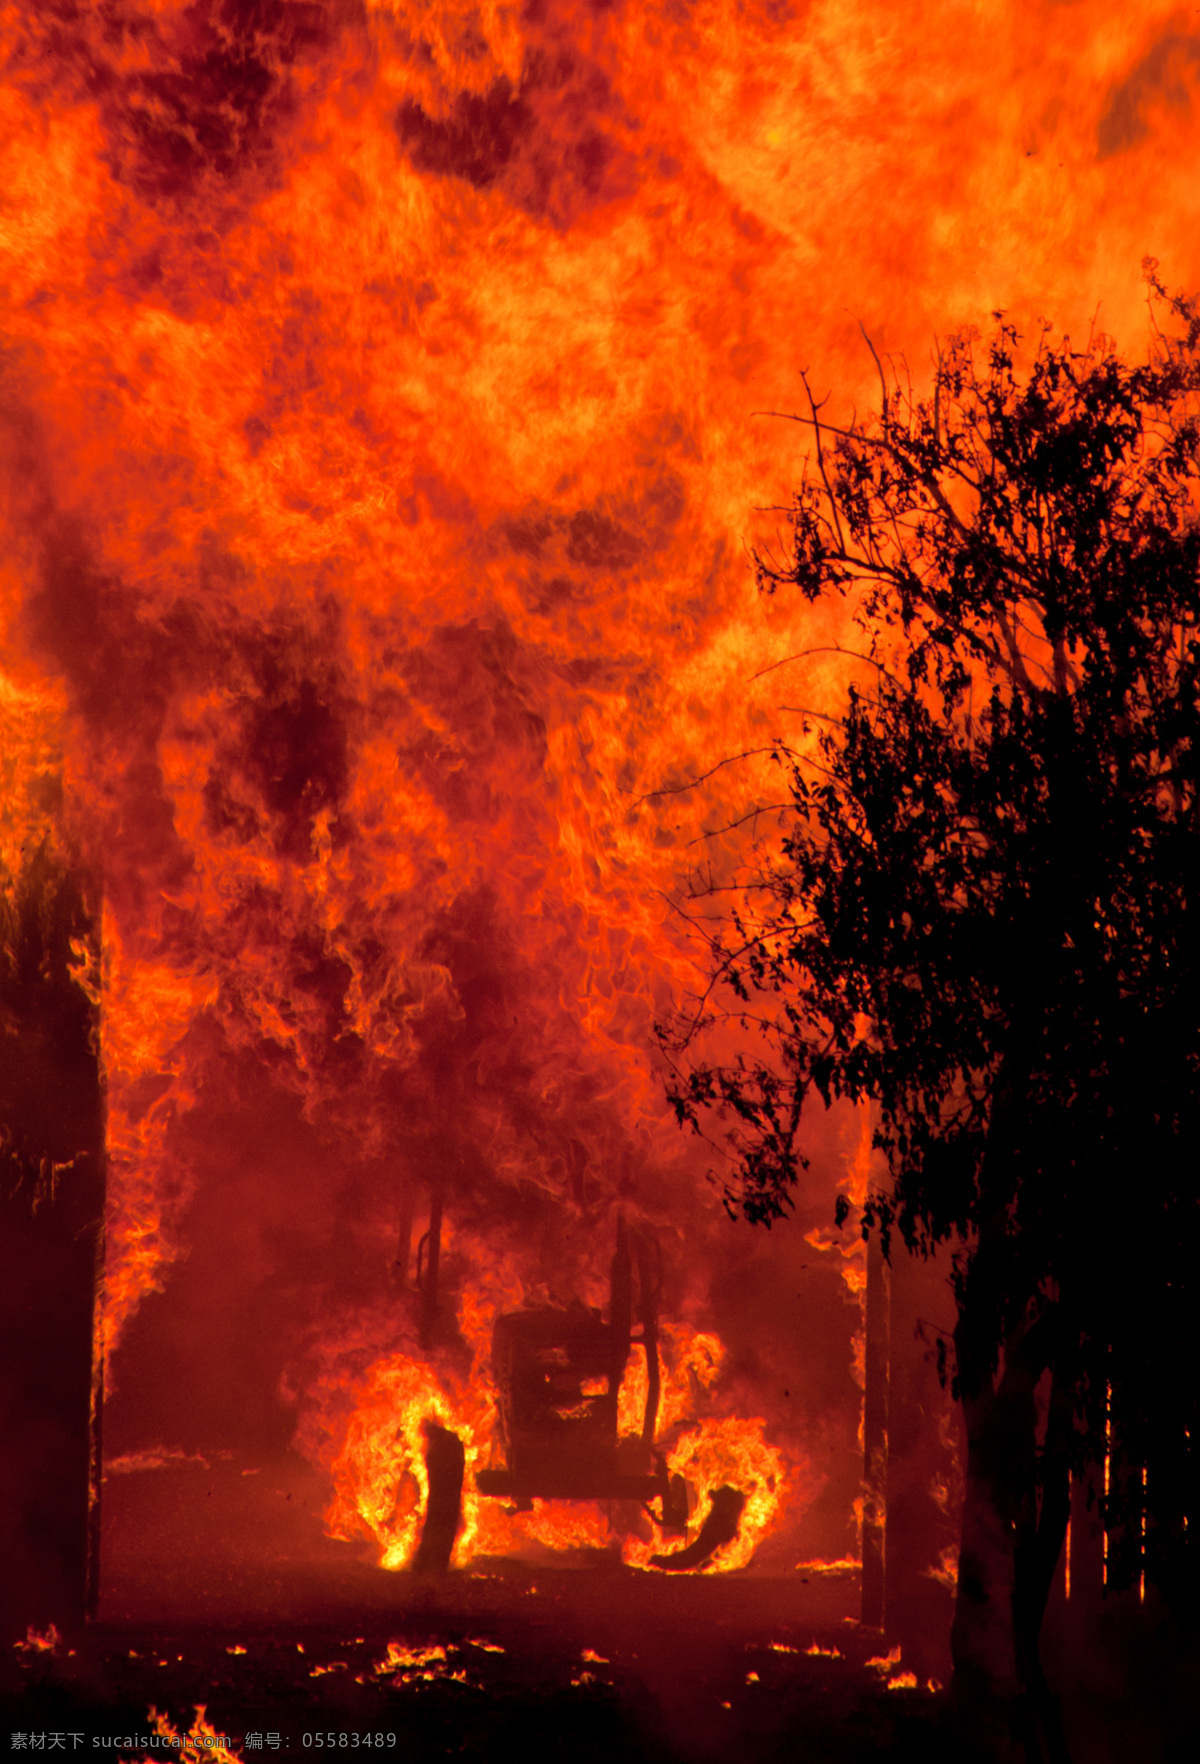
(981, 920)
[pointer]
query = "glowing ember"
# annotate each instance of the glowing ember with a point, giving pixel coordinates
(401, 1658)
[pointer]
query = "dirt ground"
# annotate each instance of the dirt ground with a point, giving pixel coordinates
(221, 1592)
(493, 1669)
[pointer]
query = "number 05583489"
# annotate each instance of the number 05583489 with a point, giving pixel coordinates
(348, 1741)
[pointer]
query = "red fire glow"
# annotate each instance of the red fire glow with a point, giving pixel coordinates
(380, 458)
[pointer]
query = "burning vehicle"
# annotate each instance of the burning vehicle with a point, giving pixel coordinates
(558, 1377)
(573, 1426)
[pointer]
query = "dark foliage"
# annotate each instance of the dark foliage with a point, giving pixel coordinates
(983, 914)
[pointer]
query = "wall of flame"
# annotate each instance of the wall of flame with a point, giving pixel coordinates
(380, 461)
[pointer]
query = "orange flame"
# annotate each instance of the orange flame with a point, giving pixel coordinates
(200, 1741)
(732, 1452)
(376, 1455)
(380, 463)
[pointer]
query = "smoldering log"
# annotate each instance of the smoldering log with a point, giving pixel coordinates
(445, 1462)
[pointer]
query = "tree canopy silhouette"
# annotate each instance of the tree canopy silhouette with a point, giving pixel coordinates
(982, 916)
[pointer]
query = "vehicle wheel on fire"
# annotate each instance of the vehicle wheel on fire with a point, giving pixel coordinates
(445, 1460)
(720, 1526)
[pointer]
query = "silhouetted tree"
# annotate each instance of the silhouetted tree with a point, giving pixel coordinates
(983, 916)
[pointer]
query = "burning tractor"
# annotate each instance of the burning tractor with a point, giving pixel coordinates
(558, 1374)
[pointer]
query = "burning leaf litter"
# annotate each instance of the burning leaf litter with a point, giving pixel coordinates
(402, 1659)
(200, 1742)
(946, 1571)
(885, 1662)
(39, 1641)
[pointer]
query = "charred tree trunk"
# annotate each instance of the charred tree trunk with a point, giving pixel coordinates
(1011, 1538)
(875, 1434)
(51, 1233)
(923, 1482)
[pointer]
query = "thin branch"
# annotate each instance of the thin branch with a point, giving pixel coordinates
(828, 649)
(815, 407)
(678, 789)
(879, 369)
(806, 710)
(767, 808)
